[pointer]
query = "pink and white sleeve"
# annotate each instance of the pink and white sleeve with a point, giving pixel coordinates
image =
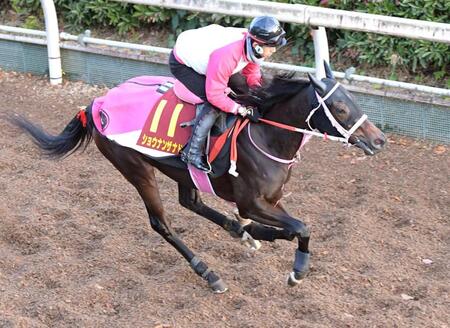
(221, 65)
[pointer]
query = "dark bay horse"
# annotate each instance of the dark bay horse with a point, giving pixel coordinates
(296, 107)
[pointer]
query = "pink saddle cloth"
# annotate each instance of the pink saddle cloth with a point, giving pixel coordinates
(126, 107)
(144, 114)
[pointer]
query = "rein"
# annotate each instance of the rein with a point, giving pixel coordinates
(346, 134)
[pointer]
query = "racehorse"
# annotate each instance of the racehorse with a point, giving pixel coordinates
(291, 110)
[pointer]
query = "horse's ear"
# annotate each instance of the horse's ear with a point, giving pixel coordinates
(318, 85)
(328, 71)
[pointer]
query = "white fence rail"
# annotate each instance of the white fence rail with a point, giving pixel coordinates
(84, 40)
(314, 16)
(51, 28)
(302, 14)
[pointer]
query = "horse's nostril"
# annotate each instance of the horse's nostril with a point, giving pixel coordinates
(379, 142)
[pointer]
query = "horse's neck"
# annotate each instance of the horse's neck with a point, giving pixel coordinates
(295, 110)
(292, 112)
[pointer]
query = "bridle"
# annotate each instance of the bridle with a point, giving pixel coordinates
(346, 134)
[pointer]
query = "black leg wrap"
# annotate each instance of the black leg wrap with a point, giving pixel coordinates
(301, 264)
(199, 267)
(234, 228)
(216, 284)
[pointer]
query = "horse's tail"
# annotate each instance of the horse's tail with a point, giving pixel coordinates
(76, 134)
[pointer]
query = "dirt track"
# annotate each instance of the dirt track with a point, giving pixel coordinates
(76, 249)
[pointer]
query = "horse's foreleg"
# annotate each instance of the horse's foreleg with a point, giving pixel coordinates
(263, 212)
(190, 199)
(262, 232)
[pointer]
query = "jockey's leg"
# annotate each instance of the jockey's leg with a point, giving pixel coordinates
(194, 153)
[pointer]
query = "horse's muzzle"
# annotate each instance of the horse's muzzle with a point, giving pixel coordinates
(370, 146)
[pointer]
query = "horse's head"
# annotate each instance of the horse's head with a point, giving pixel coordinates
(338, 114)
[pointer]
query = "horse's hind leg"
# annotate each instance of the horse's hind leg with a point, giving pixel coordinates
(190, 199)
(161, 224)
(142, 176)
(262, 232)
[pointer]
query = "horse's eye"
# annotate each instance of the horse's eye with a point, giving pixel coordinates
(340, 108)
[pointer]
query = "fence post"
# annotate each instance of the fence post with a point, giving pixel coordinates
(52, 30)
(321, 52)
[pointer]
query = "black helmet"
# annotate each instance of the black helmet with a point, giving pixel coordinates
(266, 30)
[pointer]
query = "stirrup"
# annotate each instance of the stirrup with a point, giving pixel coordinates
(201, 165)
(184, 156)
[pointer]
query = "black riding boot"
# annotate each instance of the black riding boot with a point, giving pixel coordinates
(194, 153)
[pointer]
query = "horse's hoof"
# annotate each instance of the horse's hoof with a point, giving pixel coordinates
(218, 286)
(248, 241)
(295, 278)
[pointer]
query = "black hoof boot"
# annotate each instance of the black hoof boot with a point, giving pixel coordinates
(301, 268)
(214, 282)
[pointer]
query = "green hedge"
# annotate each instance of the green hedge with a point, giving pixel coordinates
(362, 49)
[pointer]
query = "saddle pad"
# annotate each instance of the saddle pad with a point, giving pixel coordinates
(161, 131)
(144, 115)
(135, 115)
(126, 106)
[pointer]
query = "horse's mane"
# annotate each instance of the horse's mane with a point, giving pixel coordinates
(279, 88)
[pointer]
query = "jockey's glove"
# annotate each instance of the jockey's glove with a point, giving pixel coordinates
(242, 111)
(249, 112)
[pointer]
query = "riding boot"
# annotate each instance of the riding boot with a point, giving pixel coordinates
(194, 153)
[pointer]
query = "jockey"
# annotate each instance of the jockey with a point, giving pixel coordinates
(204, 59)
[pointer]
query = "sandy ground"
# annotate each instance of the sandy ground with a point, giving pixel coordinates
(76, 249)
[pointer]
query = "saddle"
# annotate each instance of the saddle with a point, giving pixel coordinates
(154, 116)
